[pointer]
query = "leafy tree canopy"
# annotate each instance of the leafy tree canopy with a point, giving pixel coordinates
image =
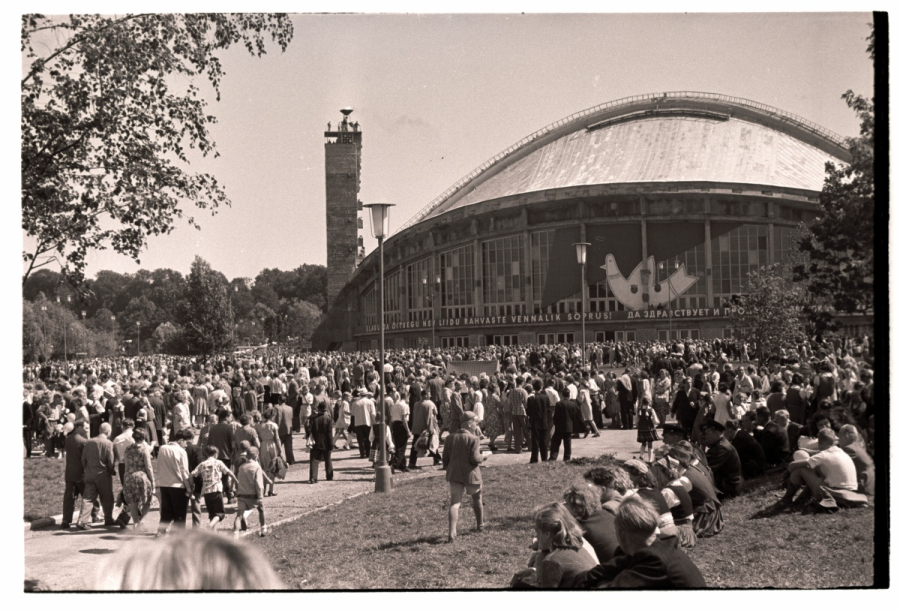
(105, 136)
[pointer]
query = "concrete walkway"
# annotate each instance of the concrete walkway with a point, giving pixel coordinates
(67, 560)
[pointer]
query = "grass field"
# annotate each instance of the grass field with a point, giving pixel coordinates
(44, 486)
(397, 541)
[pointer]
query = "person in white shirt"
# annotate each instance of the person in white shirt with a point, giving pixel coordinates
(399, 412)
(175, 484)
(831, 469)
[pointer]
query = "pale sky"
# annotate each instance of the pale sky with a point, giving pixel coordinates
(436, 95)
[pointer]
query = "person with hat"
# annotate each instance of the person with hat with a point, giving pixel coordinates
(723, 459)
(673, 433)
(363, 412)
(323, 444)
(461, 459)
(251, 485)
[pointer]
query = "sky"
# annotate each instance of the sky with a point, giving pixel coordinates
(436, 95)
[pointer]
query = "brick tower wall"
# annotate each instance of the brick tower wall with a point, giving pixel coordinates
(342, 169)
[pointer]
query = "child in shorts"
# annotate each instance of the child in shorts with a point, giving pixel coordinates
(211, 470)
(251, 483)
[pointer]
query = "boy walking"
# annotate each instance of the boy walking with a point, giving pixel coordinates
(250, 489)
(212, 470)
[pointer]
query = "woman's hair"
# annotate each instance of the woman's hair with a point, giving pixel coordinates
(582, 500)
(193, 561)
(613, 477)
(556, 519)
(641, 479)
(636, 516)
(270, 413)
(139, 435)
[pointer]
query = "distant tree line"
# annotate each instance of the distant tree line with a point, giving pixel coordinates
(164, 311)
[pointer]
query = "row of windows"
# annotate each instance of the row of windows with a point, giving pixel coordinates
(505, 273)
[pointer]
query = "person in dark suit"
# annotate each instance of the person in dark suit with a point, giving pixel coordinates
(565, 414)
(642, 561)
(323, 444)
(284, 419)
(221, 436)
(772, 437)
(540, 416)
(99, 464)
(723, 459)
(673, 433)
(753, 458)
(76, 438)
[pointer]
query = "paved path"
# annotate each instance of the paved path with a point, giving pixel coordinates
(66, 560)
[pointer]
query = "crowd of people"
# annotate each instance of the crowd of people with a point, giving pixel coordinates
(223, 430)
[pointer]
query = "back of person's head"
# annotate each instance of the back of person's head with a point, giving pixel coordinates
(827, 438)
(246, 418)
(556, 520)
(636, 519)
(610, 476)
(763, 414)
(139, 435)
(197, 560)
(848, 434)
(640, 474)
(537, 385)
(211, 451)
(582, 500)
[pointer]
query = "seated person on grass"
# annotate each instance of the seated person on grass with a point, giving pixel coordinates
(561, 552)
(829, 476)
(753, 458)
(585, 502)
(772, 437)
(643, 561)
(612, 483)
(723, 459)
(850, 441)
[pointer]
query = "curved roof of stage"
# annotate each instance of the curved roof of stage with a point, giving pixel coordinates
(658, 137)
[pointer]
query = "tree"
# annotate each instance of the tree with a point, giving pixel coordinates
(208, 318)
(107, 127)
(769, 314)
(839, 244)
(166, 337)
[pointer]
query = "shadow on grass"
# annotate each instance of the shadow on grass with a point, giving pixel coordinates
(437, 539)
(97, 551)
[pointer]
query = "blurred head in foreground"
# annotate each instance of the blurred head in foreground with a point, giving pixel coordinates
(197, 560)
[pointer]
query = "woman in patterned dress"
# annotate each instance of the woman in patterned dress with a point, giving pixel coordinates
(200, 392)
(139, 482)
(493, 422)
(270, 446)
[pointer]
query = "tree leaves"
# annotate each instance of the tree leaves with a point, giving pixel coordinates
(105, 138)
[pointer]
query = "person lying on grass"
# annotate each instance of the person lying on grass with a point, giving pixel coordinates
(561, 552)
(643, 561)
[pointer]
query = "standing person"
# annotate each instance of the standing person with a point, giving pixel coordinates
(424, 422)
(27, 428)
(342, 418)
(251, 484)
(400, 428)
(283, 418)
(120, 444)
(76, 439)
(139, 483)
(363, 410)
(565, 415)
(175, 484)
(247, 432)
(181, 414)
(211, 470)
(195, 456)
(323, 444)
(626, 400)
(493, 416)
(646, 429)
(662, 395)
(270, 446)
(99, 463)
(540, 414)
(461, 459)
(587, 412)
(221, 436)
(517, 399)
(456, 407)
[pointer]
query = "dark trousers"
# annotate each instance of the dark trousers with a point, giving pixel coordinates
(26, 436)
(100, 488)
(540, 440)
(597, 410)
(287, 441)
(627, 410)
(398, 430)
(519, 431)
(227, 483)
(121, 468)
(566, 439)
(414, 455)
(73, 490)
(316, 456)
(173, 504)
(362, 439)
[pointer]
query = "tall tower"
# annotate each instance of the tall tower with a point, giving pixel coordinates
(342, 168)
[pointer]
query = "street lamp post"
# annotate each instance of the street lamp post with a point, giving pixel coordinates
(581, 249)
(430, 288)
(138, 339)
(380, 216)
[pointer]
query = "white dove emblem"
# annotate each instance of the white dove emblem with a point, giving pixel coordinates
(623, 289)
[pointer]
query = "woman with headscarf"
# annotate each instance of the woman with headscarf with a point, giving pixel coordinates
(140, 483)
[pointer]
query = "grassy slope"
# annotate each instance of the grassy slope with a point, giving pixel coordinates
(44, 485)
(396, 541)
